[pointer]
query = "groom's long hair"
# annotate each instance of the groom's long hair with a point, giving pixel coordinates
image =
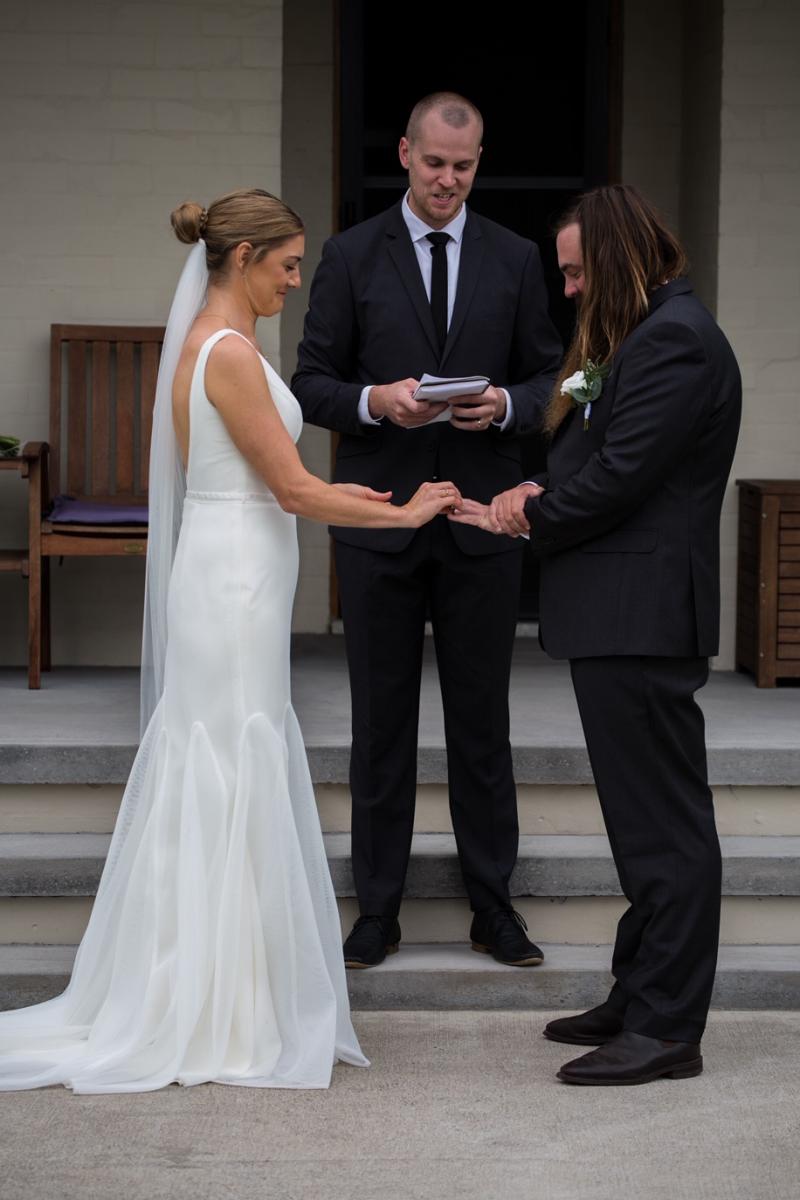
(627, 252)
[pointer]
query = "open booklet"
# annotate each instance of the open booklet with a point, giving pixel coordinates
(438, 389)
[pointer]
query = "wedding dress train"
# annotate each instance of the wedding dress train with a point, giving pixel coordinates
(213, 952)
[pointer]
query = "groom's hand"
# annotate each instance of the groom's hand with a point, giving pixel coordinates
(394, 400)
(508, 509)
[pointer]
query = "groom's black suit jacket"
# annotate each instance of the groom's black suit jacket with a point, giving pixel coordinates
(370, 322)
(629, 526)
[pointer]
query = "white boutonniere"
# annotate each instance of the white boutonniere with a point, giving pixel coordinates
(585, 386)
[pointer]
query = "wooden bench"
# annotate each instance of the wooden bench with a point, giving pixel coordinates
(102, 391)
(28, 465)
(768, 593)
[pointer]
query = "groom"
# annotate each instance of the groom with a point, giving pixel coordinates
(429, 286)
(627, 525)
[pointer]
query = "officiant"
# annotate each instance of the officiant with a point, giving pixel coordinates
(430, 287)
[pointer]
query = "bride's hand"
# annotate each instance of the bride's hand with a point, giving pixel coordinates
(472, 512)
(430, 499)
(363, 492)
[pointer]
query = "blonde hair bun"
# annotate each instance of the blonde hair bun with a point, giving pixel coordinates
(189, 221)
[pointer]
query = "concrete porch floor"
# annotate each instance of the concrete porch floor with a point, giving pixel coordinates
(753, 734)
(455, 1105)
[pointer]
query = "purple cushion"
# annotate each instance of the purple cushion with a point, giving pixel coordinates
(89, 512)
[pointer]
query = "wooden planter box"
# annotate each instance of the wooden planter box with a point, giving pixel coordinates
(768, 592)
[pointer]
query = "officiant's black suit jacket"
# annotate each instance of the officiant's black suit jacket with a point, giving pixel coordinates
(629, 526)
(370, 322)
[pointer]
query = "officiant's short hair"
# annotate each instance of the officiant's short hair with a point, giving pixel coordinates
(455, 110)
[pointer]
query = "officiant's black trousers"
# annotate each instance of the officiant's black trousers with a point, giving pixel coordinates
(473, 601)
(646, 740)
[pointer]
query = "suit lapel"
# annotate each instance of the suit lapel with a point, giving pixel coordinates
(469, 269)
(404, 257)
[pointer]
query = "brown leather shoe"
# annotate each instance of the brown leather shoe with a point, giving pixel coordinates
(591, 1028)
(633, 1058)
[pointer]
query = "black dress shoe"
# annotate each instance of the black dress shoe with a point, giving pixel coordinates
(501, 933)
(370, 940)
(633, 1058)
(591, 1028)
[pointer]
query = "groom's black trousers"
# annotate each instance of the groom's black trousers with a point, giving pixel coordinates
(646, 741)
(472, 601)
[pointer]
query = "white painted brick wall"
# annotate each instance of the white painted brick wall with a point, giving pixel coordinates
(759, 248)
(700, 138)
(308, 180)
(110, 114)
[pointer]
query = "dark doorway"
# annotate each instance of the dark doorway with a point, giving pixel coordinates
(545, 79)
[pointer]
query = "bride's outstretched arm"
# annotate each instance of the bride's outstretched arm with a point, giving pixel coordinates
(237, 387)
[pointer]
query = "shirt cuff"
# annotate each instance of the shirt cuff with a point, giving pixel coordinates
(533, 483)
(364, 414)
(509, 417)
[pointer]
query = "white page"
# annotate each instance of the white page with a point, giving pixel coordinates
(437, 388)
(434, 387)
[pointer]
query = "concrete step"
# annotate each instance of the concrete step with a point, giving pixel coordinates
(452, 977)
(81, 728)
(575, 920)
(547, 809)
(560, 762)
(58, 864)
(565, 887)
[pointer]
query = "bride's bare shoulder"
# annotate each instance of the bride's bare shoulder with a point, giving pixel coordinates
(198, 335)
(229, 349)
(200, 332)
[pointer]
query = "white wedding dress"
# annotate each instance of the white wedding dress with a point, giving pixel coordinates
(213, 952)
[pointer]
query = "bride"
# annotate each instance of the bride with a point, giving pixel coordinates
(213, 952)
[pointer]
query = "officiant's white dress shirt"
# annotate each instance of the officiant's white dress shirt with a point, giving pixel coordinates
(418, 232)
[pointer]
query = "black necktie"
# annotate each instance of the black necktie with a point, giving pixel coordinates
(438, 243)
